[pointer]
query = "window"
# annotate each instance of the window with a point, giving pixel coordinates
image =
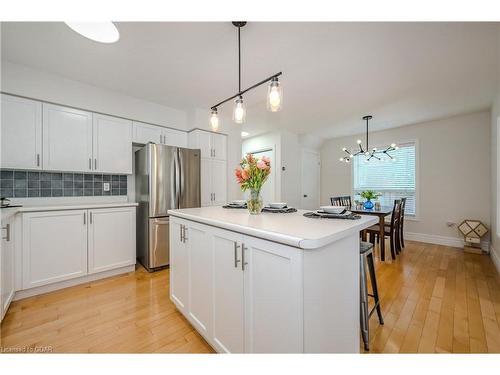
(393, 179)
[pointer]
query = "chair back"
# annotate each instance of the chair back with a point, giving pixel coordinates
(396, 214)
(342, 201)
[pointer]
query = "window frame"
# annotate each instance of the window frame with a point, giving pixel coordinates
(412, 217)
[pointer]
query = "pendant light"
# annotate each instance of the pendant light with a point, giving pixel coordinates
(376, 154)
(274, 95)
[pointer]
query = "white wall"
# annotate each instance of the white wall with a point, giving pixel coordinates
(453, 179)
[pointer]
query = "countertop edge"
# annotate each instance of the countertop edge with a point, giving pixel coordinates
(302, 243)
(80, 206)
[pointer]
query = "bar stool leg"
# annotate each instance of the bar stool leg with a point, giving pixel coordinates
(373, 279)
(364, 303)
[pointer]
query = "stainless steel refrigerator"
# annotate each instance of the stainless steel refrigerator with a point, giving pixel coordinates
(166, 177)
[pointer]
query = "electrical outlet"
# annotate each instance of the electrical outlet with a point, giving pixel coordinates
(106, 186)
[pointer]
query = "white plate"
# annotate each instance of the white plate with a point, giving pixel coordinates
(277, 205)
(238, 202)
(332, 209)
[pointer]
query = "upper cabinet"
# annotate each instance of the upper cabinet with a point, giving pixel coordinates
(144, 133)
(21, 133)
(67, 139)
(112, 144)
(212, 145)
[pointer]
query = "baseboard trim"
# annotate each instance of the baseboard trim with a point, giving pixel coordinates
(441, 240)
(495, 258)
(20, 294)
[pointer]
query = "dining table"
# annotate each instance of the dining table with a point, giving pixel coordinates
(381, 212)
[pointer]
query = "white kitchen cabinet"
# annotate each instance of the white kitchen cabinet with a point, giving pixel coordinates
(228, 293)
(54, 246)
(145, 133)
(200, 281)
(21, 133)
(251, 288)
(212, 145)
(111, 237)
(273, 297)
(67, 139)
(7, 261)
(179, 266)
(213, 182)
(112, 144)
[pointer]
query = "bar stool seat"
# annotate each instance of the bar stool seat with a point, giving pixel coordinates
(366, 260)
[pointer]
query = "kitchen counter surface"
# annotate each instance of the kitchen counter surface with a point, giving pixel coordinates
(73, 206)
(290, 229)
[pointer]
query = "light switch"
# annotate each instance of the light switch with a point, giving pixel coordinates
(106, 186)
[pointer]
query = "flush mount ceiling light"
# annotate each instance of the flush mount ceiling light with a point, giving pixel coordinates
(103, 32)
(274, 93)
(374, 153)
(244, 134)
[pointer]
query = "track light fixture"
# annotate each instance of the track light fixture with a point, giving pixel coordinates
(274, 92)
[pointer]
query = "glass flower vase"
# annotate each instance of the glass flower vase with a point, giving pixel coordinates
(255, 202)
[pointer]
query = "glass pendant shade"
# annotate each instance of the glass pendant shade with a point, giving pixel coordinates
(214, 120)
(239, 112)
(274, 95)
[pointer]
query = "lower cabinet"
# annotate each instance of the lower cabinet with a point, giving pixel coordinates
(111, 237)
(62, 245)
(244, 295)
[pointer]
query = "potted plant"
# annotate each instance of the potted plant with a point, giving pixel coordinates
(251, 175)
(369, 195)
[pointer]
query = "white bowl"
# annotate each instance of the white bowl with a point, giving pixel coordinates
(332, 209)
(238, 202)
(277, 205)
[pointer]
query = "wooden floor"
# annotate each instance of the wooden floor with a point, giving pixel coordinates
(434, 299)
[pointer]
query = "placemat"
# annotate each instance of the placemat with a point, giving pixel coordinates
(315, 215)
(284, 210)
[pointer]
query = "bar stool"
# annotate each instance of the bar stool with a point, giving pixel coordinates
(366, 259)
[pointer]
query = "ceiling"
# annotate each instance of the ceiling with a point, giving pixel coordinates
(333, 73)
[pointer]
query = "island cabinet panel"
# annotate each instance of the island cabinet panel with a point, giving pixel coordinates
(228, 293)
(273, 297)
(199, 250)
(179, 266)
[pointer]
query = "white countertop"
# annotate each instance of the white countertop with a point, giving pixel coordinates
(290, 229)
(72, 206)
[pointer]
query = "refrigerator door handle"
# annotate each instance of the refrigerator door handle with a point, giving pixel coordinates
(178, 172)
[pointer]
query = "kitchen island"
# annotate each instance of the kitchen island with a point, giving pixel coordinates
(268, 283)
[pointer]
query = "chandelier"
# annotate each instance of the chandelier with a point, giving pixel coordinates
(274, 92)
(369, 155)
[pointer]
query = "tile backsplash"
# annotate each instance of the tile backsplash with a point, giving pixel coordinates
(22, 184)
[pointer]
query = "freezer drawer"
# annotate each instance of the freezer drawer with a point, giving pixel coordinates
(158, 243)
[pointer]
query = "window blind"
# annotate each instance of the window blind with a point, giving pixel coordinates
(393, 179)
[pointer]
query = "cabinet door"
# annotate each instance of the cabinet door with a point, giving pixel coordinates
(179, 266)
(204, 143)
(21, 133)
(112, 144)
(200, 277)
(54, 246)
(219, 146)
(228, 297)
(144, 133)
(219, 182)
(273, 297)
(111, 238)
(7, 287)
(206, 182)
(67, 139)
(175, 138)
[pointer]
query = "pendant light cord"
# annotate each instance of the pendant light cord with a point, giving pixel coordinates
(239, 60)
(367, 134)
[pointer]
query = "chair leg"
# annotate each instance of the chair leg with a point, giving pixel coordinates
(397, 242)
(401, 237)
(393, 248)
(373, 279)
(363, 314)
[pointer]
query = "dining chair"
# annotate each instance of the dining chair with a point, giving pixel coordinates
(392, 230)
(342, 201)
(401, 222)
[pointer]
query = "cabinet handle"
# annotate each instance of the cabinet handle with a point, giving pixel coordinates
(243, 263)
(214, 152)
(90, 217)
(84, 218)
(37, 160)
(90, 163)
(95, 163)
(236, 260)
(7, 232)
(185, 231)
